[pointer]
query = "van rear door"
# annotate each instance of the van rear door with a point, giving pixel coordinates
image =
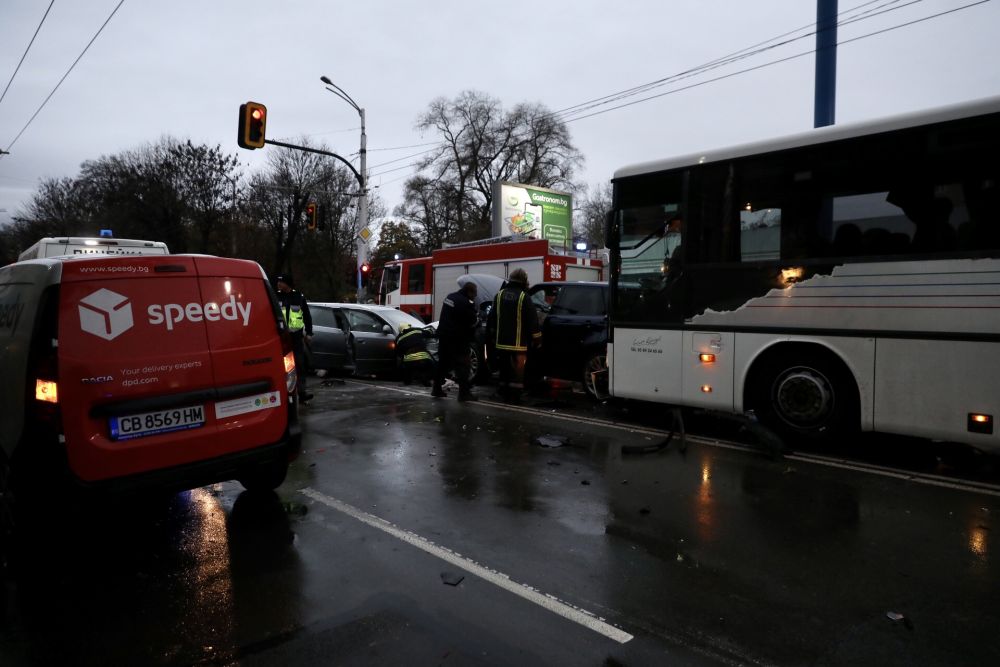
(161, 365)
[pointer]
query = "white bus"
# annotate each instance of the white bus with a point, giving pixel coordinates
(845, 278)
(78, 245)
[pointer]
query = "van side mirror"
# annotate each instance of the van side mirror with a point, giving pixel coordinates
(386, 329)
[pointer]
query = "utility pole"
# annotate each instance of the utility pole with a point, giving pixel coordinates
(825, 105)
(362, 240)
(362, 244)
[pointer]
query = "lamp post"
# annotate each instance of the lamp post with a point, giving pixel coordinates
(363, 202)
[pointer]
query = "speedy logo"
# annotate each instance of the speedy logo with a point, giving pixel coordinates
(105, 314)
(108, 314)
(173, 313)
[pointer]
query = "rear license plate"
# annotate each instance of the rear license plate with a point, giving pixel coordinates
(161, 421)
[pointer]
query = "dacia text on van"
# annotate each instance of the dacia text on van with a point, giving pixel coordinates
(141, 372)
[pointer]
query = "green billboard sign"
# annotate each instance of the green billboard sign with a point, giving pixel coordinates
(533, 212)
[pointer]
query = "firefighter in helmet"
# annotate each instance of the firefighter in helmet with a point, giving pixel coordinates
(513, 327)
(414, 360)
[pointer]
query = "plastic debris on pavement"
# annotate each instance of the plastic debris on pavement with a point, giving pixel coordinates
(896, 617)
(451, 579)
(549, 440)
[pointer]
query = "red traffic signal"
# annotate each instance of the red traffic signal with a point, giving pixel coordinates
(311, 210)
(253, 123)
(365, 268)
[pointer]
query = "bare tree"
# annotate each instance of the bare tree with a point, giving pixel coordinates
(206, 180)
(322, 260)
(450, 200)
(591, 214)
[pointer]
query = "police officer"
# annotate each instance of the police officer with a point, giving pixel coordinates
(415, 360)
(513, 326)
(455, 333)
(295, 309)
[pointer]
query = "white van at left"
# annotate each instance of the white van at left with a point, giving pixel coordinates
(78, 245)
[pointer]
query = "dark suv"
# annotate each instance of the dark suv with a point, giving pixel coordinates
(574, 322)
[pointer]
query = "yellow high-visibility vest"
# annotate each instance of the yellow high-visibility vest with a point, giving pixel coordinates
(294, 318)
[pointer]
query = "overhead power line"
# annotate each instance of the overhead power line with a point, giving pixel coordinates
(25, 54)
(42, 106)
(848, 18)
(399, 148)
(775, 62)
(570, 114)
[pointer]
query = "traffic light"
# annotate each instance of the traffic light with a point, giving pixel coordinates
(365, 269)
(253, 121)
(311, 217)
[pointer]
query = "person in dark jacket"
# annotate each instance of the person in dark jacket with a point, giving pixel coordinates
(455, 333)
(513, 326)
(414, 360)
(295, 310)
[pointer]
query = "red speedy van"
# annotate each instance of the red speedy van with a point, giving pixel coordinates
(169, 371)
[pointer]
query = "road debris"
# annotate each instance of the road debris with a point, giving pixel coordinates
(452, 579)
(896, 617)
(551, 441)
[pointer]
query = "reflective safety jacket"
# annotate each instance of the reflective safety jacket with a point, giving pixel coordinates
(513, 319)
(295, 309)
(411, 346)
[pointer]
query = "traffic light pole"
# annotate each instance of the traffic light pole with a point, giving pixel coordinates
(362, 247)
(350, 166)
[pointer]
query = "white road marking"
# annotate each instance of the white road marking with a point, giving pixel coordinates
(544, 600)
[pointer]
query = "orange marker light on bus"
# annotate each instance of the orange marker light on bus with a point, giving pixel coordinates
(706, 389)
(979, 422)
(706, 358)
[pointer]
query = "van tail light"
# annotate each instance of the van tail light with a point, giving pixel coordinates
(45, 408)
(288, 350)
(46, 391)
(43, 363)
(291, 375)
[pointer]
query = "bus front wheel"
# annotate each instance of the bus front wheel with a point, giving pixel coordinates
(805, 393)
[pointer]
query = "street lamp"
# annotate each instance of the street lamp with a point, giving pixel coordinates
(363, 203)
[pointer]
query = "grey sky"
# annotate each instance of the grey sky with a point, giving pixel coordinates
(183, 68)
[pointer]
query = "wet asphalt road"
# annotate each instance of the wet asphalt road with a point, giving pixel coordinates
(572, 555)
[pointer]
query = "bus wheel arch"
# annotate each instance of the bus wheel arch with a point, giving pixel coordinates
(803, 389)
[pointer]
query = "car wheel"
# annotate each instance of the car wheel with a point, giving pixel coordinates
(595, 376)
(266, 477)
(805, 393)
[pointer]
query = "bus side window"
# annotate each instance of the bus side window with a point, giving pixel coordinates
(760, 234)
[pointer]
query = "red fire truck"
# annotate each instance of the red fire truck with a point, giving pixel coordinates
(417, 286)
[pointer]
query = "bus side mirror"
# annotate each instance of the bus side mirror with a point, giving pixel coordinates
(609, 223)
